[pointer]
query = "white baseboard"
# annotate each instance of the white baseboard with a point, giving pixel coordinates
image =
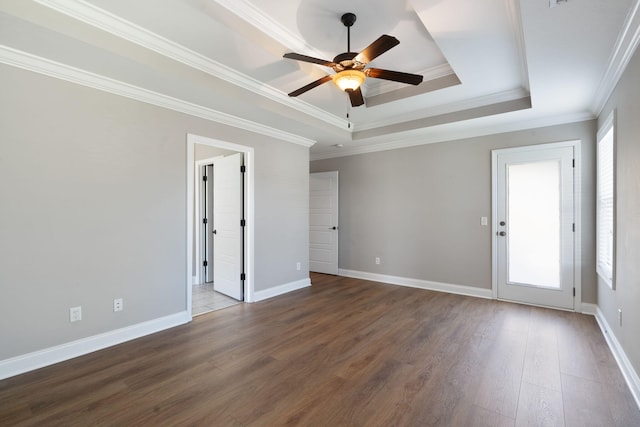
(417, 283)
(281, 289)
(630, 375)
(49, 356)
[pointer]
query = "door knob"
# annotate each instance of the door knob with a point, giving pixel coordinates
(502, 233)
(502, 223)
(214, 232)
(333, 228)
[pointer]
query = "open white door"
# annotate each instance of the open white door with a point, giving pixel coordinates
(228, 232)
(207, 224)
(323, 222)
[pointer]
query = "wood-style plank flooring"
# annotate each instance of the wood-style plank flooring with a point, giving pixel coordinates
(344, 352)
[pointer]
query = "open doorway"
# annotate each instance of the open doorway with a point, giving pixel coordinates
(219, 221)
(218, 231)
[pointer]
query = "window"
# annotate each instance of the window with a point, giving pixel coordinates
(605, 209)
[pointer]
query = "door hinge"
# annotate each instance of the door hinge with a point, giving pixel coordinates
(205, 220)
(243, 169)
(205, 177)
(573, 227)
(574, 292)
(243, 276)
(243, 223)
(205, 263)
(573, 163)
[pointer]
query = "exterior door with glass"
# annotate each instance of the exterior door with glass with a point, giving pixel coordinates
(534, 225)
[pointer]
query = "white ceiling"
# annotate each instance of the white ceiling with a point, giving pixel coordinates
(489, 65)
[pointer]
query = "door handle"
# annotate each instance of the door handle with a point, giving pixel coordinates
(214, 232)
(502, 233)
(333, 228)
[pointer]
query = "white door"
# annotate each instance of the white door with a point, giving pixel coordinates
(323, 222)
(534, 225)
(228, 232)
(207, 223)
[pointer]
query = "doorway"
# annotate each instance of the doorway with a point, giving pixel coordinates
(323, 222)
(231, 250)
(218, 230)
(535, 225)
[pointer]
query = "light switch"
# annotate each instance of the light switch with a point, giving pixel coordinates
(483, 220)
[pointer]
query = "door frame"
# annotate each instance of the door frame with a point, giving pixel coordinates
(577, 204)
(249, 191)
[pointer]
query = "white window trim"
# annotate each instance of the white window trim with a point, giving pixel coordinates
(606, 272)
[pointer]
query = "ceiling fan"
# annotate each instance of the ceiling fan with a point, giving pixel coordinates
(350, 67)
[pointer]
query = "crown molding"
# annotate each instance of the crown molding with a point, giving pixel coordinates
(451, 132)
(75, 75)
(260, 20)
(623, 50)
(106, 21)
(481, 101)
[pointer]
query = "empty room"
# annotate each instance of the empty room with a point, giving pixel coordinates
(312, 212)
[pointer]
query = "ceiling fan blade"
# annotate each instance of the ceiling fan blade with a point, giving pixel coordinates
(310, 86)
(396, 76)
(377, 48)
(356, 97)
(305, 58)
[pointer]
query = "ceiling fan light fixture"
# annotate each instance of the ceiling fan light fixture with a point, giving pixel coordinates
(349, 79)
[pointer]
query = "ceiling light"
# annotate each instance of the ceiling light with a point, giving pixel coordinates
(349, 79)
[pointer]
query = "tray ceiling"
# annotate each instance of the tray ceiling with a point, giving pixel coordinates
(488, 65)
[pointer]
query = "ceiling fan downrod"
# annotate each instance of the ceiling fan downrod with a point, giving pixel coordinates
(348, 19)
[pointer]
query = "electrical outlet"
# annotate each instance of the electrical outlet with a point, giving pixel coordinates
(118, 304)
(298, 266)
(75, 314)
(377, 260)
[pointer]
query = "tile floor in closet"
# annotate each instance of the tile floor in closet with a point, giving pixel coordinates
(205, 299)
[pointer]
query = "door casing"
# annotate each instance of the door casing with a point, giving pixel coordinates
(577, 257)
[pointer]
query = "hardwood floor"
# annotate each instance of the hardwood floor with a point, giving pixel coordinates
(344, 352)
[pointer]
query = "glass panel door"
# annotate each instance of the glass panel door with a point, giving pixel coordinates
(534, 223)
(533, 219)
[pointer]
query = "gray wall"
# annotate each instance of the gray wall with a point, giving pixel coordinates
(626, 101)
(93, 207)
(419, 208)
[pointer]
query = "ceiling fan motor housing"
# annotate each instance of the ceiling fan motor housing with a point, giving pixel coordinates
(345, 61)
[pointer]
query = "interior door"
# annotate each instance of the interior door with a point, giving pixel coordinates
(227, 229)
(323, 222)
(534, 225)
(207, 223)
